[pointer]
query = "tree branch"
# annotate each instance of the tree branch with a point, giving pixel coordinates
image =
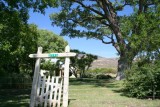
(89, 7)
(100, 19)
(141, 3)
(106, 42)
(112, 42)
(120, 7)
(110, 15)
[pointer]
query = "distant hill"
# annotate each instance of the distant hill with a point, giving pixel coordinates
(102, 62)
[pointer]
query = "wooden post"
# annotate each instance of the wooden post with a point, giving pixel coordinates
(35, 79)
(66, 78)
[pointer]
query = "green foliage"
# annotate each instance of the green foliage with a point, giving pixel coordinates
(47, 65)
(16, 45)
(143, 81)
(18, 40)
(50, 41)
(88, 75)
(145, 28)
(23, 6)
(71, 18)
(53, 68)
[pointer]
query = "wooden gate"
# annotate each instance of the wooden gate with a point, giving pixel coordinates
(49, 90)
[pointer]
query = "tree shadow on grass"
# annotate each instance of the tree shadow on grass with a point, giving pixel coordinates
(14, 104)
(106, 83)
(14, 97)
(84, 81)
(70, 100)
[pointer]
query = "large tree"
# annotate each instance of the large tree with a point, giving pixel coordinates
(101, 19)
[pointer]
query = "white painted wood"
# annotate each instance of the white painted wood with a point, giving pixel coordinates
(66, 78)
(47, 91)
(51, 92)
(42, 91)
(35, 79)
(52, 55)
(55, 93)
(60, 91)
(38, 89)
(45, 94)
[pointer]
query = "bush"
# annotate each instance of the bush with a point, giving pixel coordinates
(88, 75)
(103, 76)
(143, 81)
(14, 80)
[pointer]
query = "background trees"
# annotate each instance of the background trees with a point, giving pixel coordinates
(82, 61)
(18, 39)
(50, 41)
(100, 19)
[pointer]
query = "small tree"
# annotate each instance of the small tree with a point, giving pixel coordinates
(82, 61)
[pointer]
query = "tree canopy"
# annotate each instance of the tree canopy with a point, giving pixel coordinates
(50, 41)
(23, 6)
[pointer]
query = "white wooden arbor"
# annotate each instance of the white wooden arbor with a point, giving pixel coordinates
(34, 90)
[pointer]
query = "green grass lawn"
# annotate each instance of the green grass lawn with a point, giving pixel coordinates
(103, 93)
(83, 93)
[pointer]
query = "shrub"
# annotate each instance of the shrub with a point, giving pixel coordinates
(99, 73)
(143, 81)
(14, 80)
(88, 75)
(101, 76)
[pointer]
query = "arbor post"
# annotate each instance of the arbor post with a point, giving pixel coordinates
(66, 78)
(35, 79)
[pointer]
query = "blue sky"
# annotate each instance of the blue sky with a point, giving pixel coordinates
(92, 46)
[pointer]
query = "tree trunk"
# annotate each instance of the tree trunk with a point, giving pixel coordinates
(123, 64)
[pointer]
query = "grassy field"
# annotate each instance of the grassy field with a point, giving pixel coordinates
(83, 93)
